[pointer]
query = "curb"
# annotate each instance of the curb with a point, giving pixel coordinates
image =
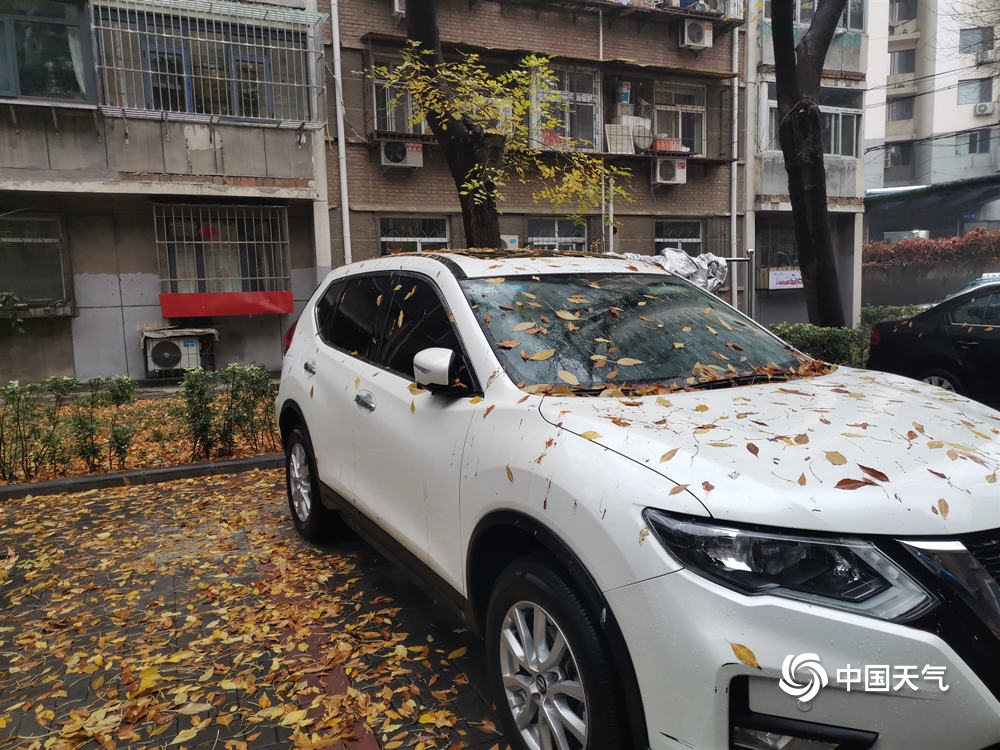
(141, 476)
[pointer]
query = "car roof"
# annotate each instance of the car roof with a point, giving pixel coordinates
(494, 263)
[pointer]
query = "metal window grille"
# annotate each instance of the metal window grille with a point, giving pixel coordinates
(556, 234)
(209, 59)
(203, 249)
(413, 235)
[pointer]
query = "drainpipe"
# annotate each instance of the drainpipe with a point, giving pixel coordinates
(345, 211)
(733, 169)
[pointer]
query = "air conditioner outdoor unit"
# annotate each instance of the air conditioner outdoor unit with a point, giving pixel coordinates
(696, 34)
(398, 8)
(401, 154)
(984, 108)
(670, 172)
(181, 353)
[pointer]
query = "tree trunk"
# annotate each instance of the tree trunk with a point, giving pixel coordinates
(464, 143)
(798, 70)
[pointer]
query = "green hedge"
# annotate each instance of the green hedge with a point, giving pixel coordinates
(842, 346)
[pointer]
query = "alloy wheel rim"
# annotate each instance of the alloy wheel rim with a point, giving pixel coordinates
(299, 482)
(939, 382)
(541, 680)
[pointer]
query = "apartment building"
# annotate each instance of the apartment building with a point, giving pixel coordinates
(160, 161)
(650, 87)
(932, 118)
(841, 100)
(170, 161)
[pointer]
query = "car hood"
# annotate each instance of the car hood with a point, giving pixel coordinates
(849, 452)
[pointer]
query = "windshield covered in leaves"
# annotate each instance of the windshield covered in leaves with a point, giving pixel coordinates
(637, 333)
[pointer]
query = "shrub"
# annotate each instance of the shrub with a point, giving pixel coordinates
(843, 346)
(979, 243)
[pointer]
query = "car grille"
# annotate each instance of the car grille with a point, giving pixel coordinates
(985, 547)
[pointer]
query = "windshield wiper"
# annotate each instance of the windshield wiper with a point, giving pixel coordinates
(747, 378)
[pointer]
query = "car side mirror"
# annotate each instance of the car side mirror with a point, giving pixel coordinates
(433, 366)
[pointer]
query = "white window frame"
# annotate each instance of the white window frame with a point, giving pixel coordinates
(563, 101)
(564, 234)
(804, 10)
(405, 239)
(902, 10)
(689, 120)
(830, 114)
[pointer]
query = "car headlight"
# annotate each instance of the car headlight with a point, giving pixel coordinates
(848, 574)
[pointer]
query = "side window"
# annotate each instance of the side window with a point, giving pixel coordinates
(325, 309)
(416, 319)
(974, 311)
(353, 323)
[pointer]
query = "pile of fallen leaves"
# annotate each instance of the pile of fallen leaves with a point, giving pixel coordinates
(188, 614)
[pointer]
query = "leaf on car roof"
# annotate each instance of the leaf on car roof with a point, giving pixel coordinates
(497, 280)
(853, 484)
(874, 473)
(836, 458)
(942, 505)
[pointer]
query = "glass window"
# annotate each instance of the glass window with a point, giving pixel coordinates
(577, 107)
(43, 54)
(679, 113)
(902, 10)
(902, 61)
(229, 67)
(413, 235)
(899, 155)
(971, 41)
(975, 91)
(841, 118)
(354, 322)
(416, 319)
(679, 235)
(974, 142)
(977, 310)
(35, 262)
(394, 106)
(900, 108)
(853, 17)
(556, 234)
(222, 248)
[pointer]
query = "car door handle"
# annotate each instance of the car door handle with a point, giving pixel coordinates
(967, 342)
(365, 400)
(309, 366)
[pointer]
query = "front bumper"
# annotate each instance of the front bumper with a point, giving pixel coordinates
(690, 639)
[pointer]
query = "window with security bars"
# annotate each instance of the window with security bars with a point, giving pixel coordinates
(236, 61)
(679, 235)
(35, 263)
(556, 234)
(410, 235)
(211, 249)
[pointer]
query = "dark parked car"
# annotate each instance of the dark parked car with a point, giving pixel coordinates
(954, 344)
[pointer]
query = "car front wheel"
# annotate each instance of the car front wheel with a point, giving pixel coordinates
(549, 664)
(311, 518)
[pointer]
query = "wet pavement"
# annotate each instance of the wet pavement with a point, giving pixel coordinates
(189, 614)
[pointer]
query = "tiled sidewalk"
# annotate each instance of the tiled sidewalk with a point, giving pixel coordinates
(189, 614)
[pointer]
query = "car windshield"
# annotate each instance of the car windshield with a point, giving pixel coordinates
(629, 333)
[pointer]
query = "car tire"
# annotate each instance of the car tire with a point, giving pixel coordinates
(559, 693)
(942, 379)
(312, 519)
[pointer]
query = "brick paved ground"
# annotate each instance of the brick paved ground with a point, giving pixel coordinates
(189, 614)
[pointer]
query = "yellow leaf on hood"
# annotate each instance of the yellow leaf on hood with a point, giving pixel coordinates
(836, 458)
(590, 435)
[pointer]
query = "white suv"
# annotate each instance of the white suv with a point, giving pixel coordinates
(673, 530)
